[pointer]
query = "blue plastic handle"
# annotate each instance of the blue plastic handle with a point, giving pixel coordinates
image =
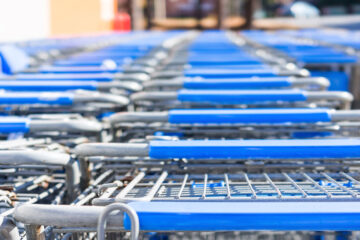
(256, 116)
(256, 149)
(14, 124)
(229, 73)
(216, 62)
(228, 66)
(82, 63)
(78, 70)
(48, 98)
(240, 96)
(252, 83)
(100, 77)
(237, 216)
(35, 86)
(92, 58)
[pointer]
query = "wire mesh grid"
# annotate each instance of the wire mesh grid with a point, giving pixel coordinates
(164, 185)
(39, 189)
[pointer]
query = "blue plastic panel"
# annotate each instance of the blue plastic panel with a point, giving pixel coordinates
(47, 85)
(219, 116)
(240, 96)
(255, 83)
(14, 124)
(256, 149)
(51, 98)
(237, 216)
(13, 59)
(339, 81)
(312, 134)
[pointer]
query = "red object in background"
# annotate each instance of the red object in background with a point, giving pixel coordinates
(122, 22)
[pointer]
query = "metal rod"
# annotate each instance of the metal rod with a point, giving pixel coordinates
(182, 186)
(203, 196)
(295, 185)
(112, 149)
(329, 195)
(273, 185)
(139, 117)
(228, 195)
(250, 186)
(156, 186)
(130, 186)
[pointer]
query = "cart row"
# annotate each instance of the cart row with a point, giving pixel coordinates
(172, 134)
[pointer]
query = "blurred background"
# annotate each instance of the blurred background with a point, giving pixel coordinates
(32, 19)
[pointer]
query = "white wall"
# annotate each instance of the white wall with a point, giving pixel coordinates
(24, 19)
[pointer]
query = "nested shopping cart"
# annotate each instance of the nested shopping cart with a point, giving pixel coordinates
(177, 164)
(311, 83)
(131, 60)
(235, 123)
(64, 128)
(34, 171)
(39, 170)
(184, 98)
(219, 85)
(306, 50)
(216, 197)
(219, 56)
(79, 101)
(218, 151)
(58, 86)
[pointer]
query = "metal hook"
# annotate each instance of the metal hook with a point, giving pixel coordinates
(135, 225)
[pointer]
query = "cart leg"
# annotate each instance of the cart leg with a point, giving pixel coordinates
(34, 232)
(8, 229)
(85, 174)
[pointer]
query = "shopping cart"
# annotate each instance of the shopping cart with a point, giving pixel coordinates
(305, 51)
(59, 86)
(35, 176)
(55, 126)
(100, 65)
(175, 172)
(36, 170)
(226, 73)
(79, 101)
(218, 154)
(184, 98)
(312, 83)
(218, 56)
(227, 149)
(197, 216)
(235, 123)
(217, 198)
